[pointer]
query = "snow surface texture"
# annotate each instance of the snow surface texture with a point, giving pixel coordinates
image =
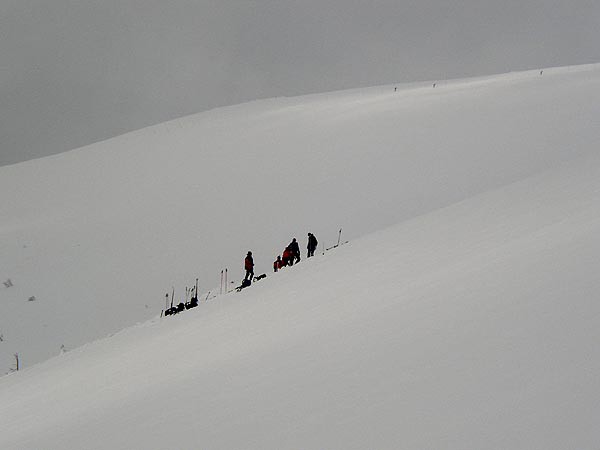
(99, 235)
(471, 323)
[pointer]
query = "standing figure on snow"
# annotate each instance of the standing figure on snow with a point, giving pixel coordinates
(295, 250)
(278, 264)
(249, 266)
(312, 245)
(286, 259)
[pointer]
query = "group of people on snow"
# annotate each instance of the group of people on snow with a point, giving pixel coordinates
(289, 257)
(291, 254)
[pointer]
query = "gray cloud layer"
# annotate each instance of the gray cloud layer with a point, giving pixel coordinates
(77, 71)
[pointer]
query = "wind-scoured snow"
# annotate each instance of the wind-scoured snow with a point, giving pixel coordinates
(463, 313)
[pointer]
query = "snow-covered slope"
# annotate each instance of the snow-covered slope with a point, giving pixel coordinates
(98, 235)
(474, 326)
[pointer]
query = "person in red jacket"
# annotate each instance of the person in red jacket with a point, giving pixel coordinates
(277, 264)
(249, 266)
(287, 257)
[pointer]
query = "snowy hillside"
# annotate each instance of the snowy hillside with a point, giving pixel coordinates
(474, 326)
(91, 240)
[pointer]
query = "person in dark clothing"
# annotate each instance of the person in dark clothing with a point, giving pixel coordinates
(249, 266)
(295, 250)
(312, 245)
(278, 264)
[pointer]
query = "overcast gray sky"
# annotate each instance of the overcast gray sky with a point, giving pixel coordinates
(73, 72)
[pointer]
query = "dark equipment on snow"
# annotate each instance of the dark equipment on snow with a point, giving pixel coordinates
(181, 306)
(245, 284)
(194, 300)
(172, 310)
(192, 303)
(260, 277)
(338, 242)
